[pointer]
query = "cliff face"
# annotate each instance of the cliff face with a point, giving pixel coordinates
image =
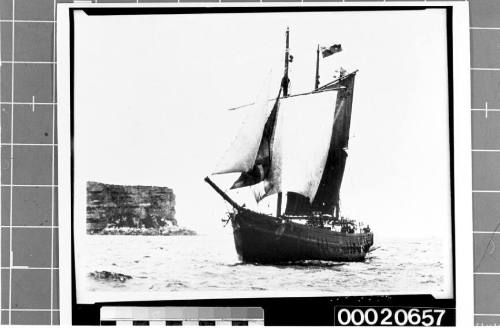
(129, 206)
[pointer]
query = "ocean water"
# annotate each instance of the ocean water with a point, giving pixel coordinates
(208, 263)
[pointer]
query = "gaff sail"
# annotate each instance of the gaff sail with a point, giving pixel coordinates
(301, 143)
(328, 194)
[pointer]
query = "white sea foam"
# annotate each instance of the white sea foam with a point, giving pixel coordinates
(209, 263)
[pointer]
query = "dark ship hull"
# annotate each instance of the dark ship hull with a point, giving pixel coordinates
(266, 239)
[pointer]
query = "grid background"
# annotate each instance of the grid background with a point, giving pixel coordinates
(29, 220)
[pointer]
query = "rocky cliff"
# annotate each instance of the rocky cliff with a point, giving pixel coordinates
(116, 206)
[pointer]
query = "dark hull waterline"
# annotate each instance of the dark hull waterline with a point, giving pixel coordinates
(261, 238)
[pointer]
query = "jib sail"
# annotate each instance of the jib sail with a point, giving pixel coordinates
(262, 164)
(246, 148)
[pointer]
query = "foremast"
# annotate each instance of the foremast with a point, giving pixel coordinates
(284, 88)
(286, 80)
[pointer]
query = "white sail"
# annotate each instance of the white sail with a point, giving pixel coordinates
(301, 143)
(241, 155)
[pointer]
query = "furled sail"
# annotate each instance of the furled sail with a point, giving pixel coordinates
(244, 150)
(301, 143)
(327, 196)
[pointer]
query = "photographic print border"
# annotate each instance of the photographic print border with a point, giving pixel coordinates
(321, 307)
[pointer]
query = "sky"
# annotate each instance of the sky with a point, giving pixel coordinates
(152, 95)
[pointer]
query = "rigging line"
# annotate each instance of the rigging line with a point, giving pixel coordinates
(487, 247)
(290, 96)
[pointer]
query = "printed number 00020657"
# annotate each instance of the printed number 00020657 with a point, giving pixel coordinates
(385, 316)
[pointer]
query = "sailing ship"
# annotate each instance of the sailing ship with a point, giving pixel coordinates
(296, 144)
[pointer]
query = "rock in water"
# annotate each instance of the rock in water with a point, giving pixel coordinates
(109, 276)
